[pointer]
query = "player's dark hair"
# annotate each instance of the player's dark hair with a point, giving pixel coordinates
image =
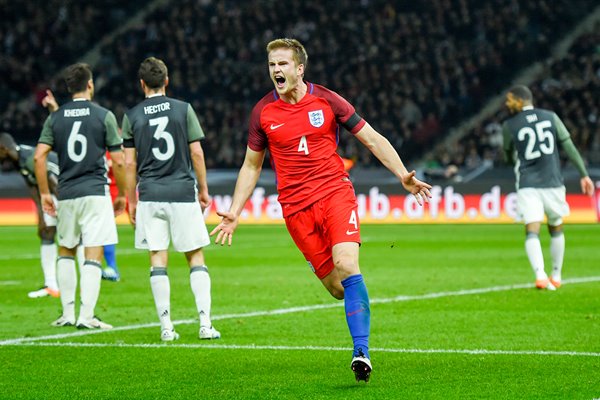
(522, 92)
(300, 55)
(77, 77)
(153, 72)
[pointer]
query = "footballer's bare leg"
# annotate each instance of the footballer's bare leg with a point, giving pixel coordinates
(159, 258)
(533, 227)
(195, 257)
(345, 264)
(333, 284)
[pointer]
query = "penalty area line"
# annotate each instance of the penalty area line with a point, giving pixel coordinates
(314, 348)
(290, 310)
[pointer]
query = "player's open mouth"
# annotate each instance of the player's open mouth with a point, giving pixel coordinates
(280, 81)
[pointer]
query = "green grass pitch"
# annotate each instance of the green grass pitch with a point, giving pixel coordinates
(454, 316)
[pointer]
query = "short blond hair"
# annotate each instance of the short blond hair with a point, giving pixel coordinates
(300, 56)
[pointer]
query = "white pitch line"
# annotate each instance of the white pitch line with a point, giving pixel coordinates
(8, 283)
(466, 292)
(129, 251)
(315, 348)
(33, 256)
(290, 310)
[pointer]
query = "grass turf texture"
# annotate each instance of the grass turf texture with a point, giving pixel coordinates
(264, 271)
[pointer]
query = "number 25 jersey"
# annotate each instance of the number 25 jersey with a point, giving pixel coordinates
(535, 135)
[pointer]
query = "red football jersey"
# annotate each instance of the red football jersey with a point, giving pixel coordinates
(302, 139)
(114, 191)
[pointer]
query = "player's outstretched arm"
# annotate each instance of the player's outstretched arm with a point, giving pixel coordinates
(246, 182)
(385, 152)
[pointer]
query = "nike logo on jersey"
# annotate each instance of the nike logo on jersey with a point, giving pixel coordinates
(349, 232)
(273, 127)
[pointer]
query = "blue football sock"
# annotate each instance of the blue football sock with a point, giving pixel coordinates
(358, 313)
(110, 255)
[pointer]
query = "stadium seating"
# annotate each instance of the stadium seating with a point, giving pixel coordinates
(413, 69)
(569, 86)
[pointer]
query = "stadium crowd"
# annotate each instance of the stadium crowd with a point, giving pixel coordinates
(570, 86)
(39, 38)
(415, 68)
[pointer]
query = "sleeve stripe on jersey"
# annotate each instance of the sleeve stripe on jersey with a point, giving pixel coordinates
(354, 120)
(194, 140)
(53, 168)
(128, 143)
(116, 147)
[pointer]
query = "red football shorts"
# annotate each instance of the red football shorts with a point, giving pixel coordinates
(323, 224)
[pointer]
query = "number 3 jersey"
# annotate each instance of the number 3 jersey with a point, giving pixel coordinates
(80, 132)
(302, 140)
(160, 129)
(534, 135)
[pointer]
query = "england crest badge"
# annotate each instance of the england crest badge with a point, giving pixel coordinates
(316, 118)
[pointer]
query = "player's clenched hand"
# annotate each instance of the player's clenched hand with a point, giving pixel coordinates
(49, 101)
(418, 188)
(119, 205)
(132, 209)
(204, 199)
(48, 204)
(225, 228)
(587, 186)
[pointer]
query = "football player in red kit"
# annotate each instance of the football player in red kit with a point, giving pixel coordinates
(298, 123)
(111, 271)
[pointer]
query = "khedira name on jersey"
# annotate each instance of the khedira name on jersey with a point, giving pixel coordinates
(77, 112)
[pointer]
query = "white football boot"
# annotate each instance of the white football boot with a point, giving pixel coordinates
(209, 333)
(168, 335)
(94, 323)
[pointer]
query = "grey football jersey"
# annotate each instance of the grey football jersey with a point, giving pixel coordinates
(80, 132)
(160, 129)
(26, 164)
(534, 135)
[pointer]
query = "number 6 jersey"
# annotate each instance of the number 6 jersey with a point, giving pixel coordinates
(80, 132)
(160, 129)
